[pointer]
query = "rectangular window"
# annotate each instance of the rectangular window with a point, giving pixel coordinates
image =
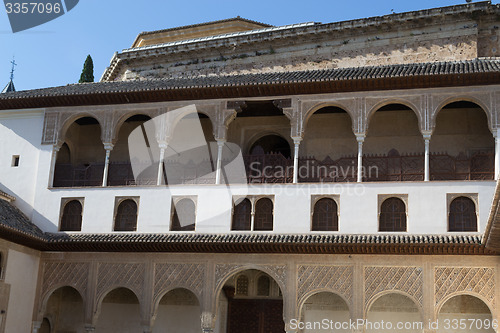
(15, 161)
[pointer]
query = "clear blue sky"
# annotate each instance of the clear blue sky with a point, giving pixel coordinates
(53, 54)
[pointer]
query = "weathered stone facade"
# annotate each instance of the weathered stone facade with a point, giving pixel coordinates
(454, 33)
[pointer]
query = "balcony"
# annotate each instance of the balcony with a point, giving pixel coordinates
(275, 168)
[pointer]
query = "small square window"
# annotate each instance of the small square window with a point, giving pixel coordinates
(15, 160)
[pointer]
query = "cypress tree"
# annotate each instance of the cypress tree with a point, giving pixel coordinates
(88, 71)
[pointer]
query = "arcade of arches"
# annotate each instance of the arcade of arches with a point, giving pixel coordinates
(460, 146)
(273, 294)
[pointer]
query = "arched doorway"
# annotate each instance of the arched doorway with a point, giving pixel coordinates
(178, 311)
(250, 302)
(394, 147)
(462, 146)
(465, 308)
(119, 312)
(325, 306)
(390, 311)
(66, 310)
(81, 161)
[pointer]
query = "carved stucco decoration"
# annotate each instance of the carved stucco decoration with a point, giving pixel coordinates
(337, 279)
(66, 119)
(50, 128)
(115, 275)
(408, 280)
(453, 280)
(61, 274)
(171, 276)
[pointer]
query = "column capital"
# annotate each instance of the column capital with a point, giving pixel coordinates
(360, 137)
(221, 141)
(108, 146)
(163, 144)
(297, 139)
(56, 148)
(496, 133)
(426, 135)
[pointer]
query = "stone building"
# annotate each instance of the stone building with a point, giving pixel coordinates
(371, 149)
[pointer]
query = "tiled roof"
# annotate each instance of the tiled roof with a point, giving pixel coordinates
(247, 238)
(9, 87)
(16, 227)
(242, 80)
(13, 220)
(268, 243)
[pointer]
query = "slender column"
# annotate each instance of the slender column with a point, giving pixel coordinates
(497, 153)
(36, 326)
(296, 142)
(109, 148)
(163, 146)
(55, 149)
(427, 140)
(218, 172)
(360, 137)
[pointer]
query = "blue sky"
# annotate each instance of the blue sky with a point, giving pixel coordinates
(52, 54)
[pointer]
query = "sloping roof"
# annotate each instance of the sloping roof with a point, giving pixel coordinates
(13, 220)
(333, 80)
(145, 33)
(9, 87)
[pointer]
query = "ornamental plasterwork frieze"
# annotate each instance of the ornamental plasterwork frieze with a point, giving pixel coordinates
(115, 275)
(61, 274)
(50, 128)
(298, 109)
(474, 280)
(337, 279)
(408, 280)
(171, 276)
